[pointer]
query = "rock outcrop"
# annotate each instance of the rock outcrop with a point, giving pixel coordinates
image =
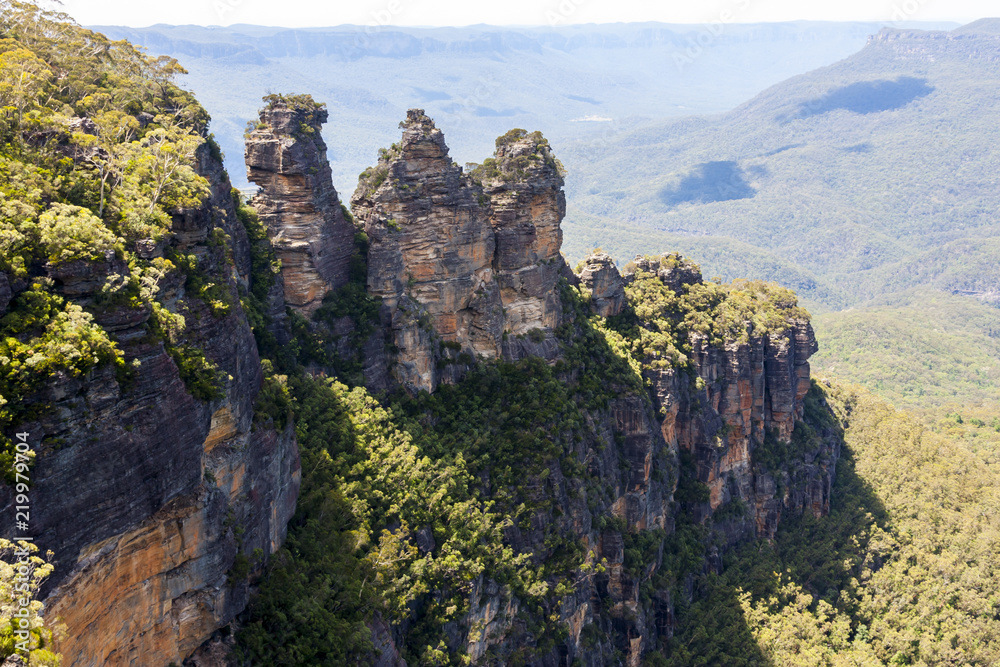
(527, 205)
(748, 395)
(149, 497)
(467, 265)
(431, 256)
(607, 289)
(462, 262)
(286, 157)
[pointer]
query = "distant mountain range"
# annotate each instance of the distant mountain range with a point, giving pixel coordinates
(870, 176)
(592, 82)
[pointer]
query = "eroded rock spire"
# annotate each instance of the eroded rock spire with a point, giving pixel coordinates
(286, 157)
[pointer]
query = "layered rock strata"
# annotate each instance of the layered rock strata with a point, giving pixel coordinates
(607, 289)
(462, 263)
(286, 158)
(747, 395)
(431, 256)
(527, 205)
(148, 496)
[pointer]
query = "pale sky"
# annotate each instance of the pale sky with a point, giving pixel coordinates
(303, 13)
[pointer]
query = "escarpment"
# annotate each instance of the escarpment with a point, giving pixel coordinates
(698, 416)
(157, 490)
(666, 415)
(286, 158)
(747, 398)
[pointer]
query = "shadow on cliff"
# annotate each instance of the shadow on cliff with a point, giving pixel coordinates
(824, 556)
(313, 603)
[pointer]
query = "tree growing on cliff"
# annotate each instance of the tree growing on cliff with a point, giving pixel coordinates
(23, 628)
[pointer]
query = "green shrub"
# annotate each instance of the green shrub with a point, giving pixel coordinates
(68, 233)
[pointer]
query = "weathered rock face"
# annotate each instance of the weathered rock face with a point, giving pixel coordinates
(607, 289)
(751, 394)
(431, 256)
(527, 206)
(740, 397)
(286, 157)
(461, 268)
(631, 469)
(146, 494)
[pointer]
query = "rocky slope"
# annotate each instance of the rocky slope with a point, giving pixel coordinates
(752, 392)
(151, 499)
(162, 492)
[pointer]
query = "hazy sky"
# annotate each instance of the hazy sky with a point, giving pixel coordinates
(514, 12)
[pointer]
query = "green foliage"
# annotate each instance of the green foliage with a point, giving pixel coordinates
(295, 102)
(215, 294)
(372, 178)
(274, 401)
(381, 476)
(515, 168)
(17, 585)
(264, 269)
(598, 357)
(924, 349)
(689, 489)
(202, 378)
(315, 342)
(378, 481)
(77, 171)
(901, 571)
(69, 233)
(661, 327)
(43, 337)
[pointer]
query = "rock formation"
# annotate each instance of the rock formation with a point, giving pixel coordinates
(431, 255)
(468, 265)
(286, 157)
(527, 206)
(754, 391)
(157, 503)
(607, 289)
(147, 495)
(462, 262)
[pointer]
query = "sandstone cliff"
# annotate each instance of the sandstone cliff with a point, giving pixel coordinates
(748, 395)
(607, 289)
(527, 206)
(466, 264)
(431, 256)
(721, 415)
(286, 158)
(176, 497)
(157, 503)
